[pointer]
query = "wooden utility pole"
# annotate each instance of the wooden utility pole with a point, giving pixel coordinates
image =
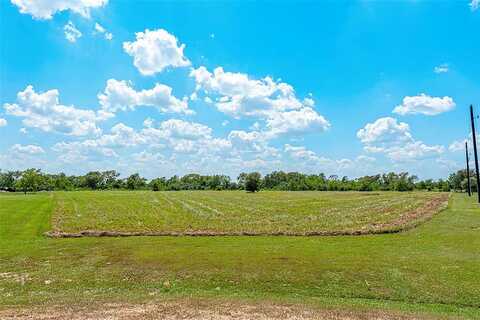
(474, 138)
(469, 188)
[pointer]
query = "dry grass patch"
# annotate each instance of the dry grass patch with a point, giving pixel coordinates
(196, 309)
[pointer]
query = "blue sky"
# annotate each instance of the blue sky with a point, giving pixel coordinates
(162, 88)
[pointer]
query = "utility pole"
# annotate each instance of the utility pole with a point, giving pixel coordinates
(474, 137)
(469, 188)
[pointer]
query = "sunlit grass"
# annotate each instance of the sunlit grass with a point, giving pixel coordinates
(236, 212)
(433, 268)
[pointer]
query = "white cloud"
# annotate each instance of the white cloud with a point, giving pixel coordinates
(393, 138)
(307, 160)
(450, 165)
(303, 154)
(120, 136)
(457, 146)
(176, 128)
(242, 96)
(43, 111)
(385, 131)
(184, 137)
(415, 150)
(24, 130)
(79, 151)
(475, 4)
(252, 141)
(443, 68)
(3, 122)
(365, 159)
(179, 136)
(272, 101)
(100, 29)
(45, 9)
(71, 33)
(27, 149)
(296, 121)
(149, 158)
(424, 104)
(119, 95)
(153, 51)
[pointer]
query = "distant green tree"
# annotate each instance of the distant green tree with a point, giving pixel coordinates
(109, 179)
(8, 179)
(62, 182)
(158, 184)
(93, 180)
(241, 180)
(30, 180)
(135, 181)
(253, 181)
(458, 180)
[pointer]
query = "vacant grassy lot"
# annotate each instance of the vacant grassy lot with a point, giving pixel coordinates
(237, 212)
(432, 269)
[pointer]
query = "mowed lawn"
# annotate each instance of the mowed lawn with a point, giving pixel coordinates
(238, 212)
(433, 269)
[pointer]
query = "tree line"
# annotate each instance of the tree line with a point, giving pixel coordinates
(32, 180)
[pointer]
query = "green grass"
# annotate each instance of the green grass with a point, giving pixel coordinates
(237, 211)
(433, 269)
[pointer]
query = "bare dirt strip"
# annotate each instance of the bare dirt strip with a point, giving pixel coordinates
(407, 221)
(201, 310)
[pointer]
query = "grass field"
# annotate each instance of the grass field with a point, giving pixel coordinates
(237, 212)
(431, 270)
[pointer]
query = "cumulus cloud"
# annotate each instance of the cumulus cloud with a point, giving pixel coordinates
(424, 104)
(457, 145)
(100, 29)
(180, 136)
(45, 9)
(474, 4)
(186, 137)
(303, 154)
(308, 160)
(385, 131)
(119, 95)
(393, 138)
(272, 101)
(296, 121)
(414, 150)
(155, 50)
(79, 151)
(443, 68)
(242, 96)
(71, 32)
(244, 141)
(177, 128)
(3, 122)
(149, 157)
(120, 136)
(43, 111)
(27, 149)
